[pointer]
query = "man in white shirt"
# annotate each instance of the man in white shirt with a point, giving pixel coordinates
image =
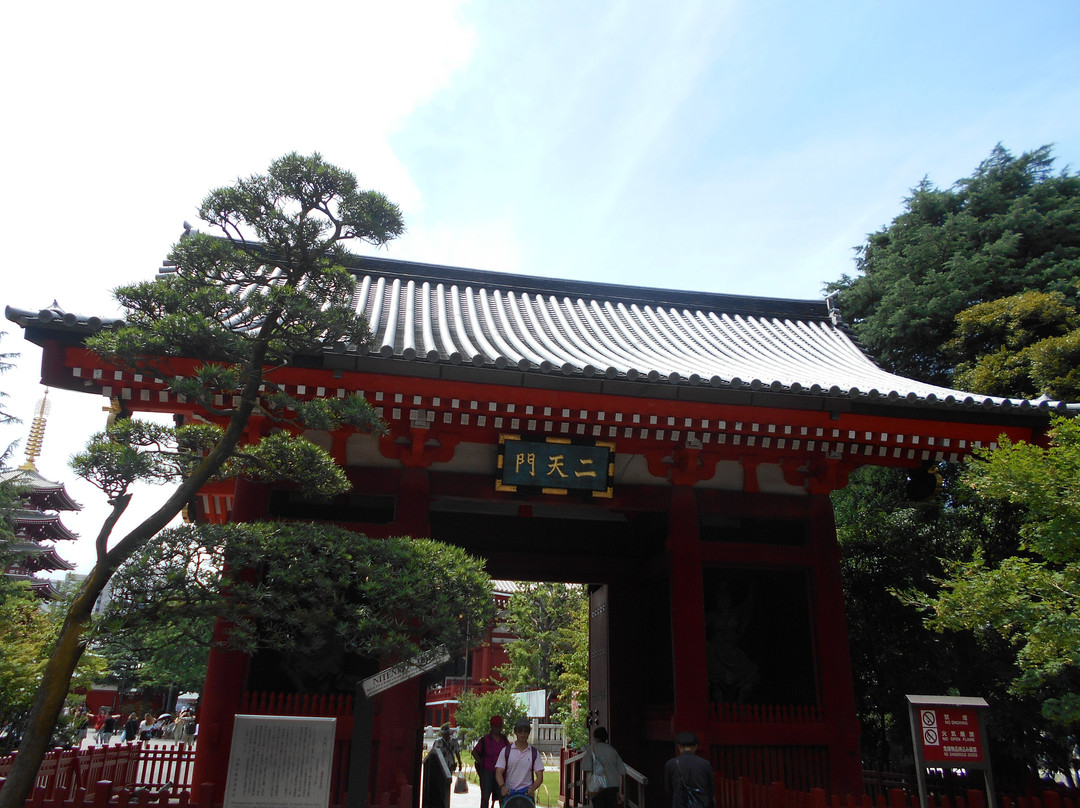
(520, 769)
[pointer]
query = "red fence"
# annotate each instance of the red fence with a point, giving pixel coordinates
(742, 793)
(103, 796)
(65, 772)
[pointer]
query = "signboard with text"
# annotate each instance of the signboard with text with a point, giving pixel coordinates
(555, 466)
(950, 735)
(280, 762)
(949, 732)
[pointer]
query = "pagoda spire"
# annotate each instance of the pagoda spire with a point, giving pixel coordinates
(37, 433)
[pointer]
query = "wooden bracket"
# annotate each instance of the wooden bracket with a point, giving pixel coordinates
(419, 448)
(681, 465)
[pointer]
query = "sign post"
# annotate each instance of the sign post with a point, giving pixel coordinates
(363, 716)
(403, 671)
(950, 732)
(280, 762)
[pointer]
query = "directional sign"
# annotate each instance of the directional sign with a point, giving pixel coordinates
(403, 671)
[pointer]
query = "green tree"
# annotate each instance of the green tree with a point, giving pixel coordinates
(1031, 599)
(572, 704)
(1011, 227)
(888, 544)
(27, 632)
(541, 616)
(474, 712)
(1024, 345)
(353, 596)
(269, 289)
(972, 286)
(551, 623)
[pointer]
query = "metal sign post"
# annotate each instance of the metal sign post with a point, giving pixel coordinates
(403, 671)
(950, 732)
(363, 716)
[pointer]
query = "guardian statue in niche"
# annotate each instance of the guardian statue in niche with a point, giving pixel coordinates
(733, 675)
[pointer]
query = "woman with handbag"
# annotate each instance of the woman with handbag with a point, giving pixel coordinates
(604, 771)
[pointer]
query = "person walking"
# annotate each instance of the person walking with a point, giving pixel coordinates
(519, 769)
(604, 770)
(131, 728)
(447, 746)
(99, 726)
(486, 754)
(688, 779)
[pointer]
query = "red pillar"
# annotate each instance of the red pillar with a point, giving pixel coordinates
(226, 674)
(413, 504)
(834, 656)
(399, 711)
(687, 615)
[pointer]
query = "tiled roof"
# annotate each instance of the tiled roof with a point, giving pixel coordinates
(441, 316)
(37, 525)
(43, 493)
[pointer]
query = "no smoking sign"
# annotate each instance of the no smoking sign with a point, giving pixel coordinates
(930, 734)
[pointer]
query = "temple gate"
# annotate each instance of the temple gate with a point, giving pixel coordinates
(673, 450)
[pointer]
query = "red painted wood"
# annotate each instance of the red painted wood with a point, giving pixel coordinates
(687, 615)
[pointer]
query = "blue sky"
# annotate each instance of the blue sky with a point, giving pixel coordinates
(739, 147)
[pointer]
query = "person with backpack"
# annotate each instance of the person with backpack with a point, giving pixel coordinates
(519, 769)
(688, 779)
(486, 754)
(604, 771)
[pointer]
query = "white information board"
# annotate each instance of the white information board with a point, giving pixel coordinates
(281, 761)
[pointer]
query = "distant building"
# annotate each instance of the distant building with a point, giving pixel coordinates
(478, 673)
(37, 524)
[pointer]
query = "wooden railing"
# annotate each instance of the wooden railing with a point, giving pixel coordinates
(143, 765)
(65, 772)
(574, 792)
(742, 793)
(105, 796)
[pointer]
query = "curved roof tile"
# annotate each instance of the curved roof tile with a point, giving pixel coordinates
(439, 314)
(545, 326)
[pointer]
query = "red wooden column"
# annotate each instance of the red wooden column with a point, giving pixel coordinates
(687, 615)
(399, 711)
(226, 674)
(837, 692)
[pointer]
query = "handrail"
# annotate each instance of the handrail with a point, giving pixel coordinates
(573, 784)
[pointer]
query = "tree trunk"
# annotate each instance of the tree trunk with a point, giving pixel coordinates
(50, 697)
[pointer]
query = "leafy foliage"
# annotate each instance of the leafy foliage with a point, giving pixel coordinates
(27, 633)
(1031, 599)
(316, 593)
(541, 615)
(889, 544)
(1023, 345)
(1013, 226)
(973, 286)
(474, 712)
(551, 621)
(235, 308)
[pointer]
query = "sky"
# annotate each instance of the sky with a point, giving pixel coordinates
(724, 146)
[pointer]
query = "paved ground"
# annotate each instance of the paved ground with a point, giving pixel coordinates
(469, 800)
